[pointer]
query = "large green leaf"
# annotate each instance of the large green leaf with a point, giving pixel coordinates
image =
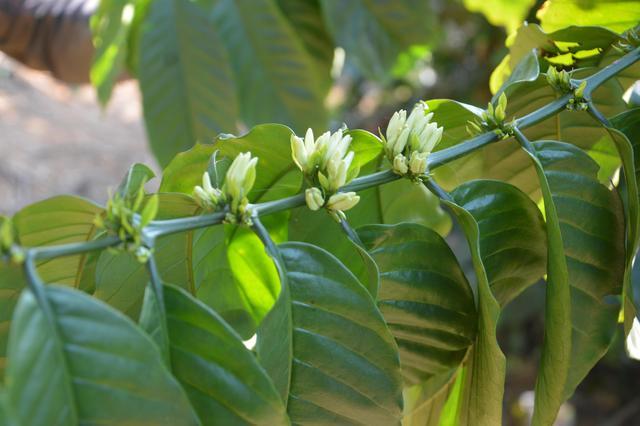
(110, 25)
(513, 243)
(223, 379)
(617, 15)
(374, 33)
(508, 13)
(480, 396)
(59, 220)
(424, 297)
(326, 346)
(11, 284)
(231, 271)
(585, 230)
(277, 79)
(306, 19)
(74, 360)
(185, 78)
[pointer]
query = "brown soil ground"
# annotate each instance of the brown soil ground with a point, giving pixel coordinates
(56, 139)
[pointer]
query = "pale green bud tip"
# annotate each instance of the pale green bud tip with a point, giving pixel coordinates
(400, 165)
(299, 152)
(418, 163)
(343, 201)
(314, 198)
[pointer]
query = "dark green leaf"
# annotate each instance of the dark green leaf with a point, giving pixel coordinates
(223, 379)
(513, 243)
(185, 78)
(277, 79)
(375, 33)
(326, 346)
(424, 297)
(80, 362)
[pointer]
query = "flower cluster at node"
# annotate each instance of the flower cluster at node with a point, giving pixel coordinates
(327, 165)
(126, 215)
(492, 120)
(9, 250)
(561, 83)
(238, 182)
(410, 140)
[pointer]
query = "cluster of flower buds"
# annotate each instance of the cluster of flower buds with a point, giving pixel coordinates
(561, 83)
(629, 40)
(492, 120)
(126, 216)
(9, 250)
(208, 197)
(327, 166)
(410, 140)
(239, 179)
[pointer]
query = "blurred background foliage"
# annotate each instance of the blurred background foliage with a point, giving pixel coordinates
(211, 66)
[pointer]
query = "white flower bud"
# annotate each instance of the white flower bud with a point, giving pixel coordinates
(240, 178)
(418, 163)
(400, 165)
(299, 152)
(396, 124)
(314, 198)
(343, 201)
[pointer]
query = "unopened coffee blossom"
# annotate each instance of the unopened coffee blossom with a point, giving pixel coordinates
(327, 165)
(240, 178)
(208, 197)
(409, 141)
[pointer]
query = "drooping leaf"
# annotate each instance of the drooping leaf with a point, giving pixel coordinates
(480, 398)
(185, 78)
(222, 379)
(74, 360)
(375, 33)
(586, 265)
(513, 243)
(617, 15)
(326, 346)
(424, 297)
(277, 79)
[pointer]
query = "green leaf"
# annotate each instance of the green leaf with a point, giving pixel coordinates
(12, 282)
(136, 177)
(513, 243)
(110, 26)
(509, 14)
(74, 360)
(305, 17)
(424, 297)
(483, 389)
(277, 79)
(375, 33)
(60, 220)
(326, 346)
(617, 15)
(185, 78)
(231, 271)
(585, 230)
(427, 404)
(223, 379)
